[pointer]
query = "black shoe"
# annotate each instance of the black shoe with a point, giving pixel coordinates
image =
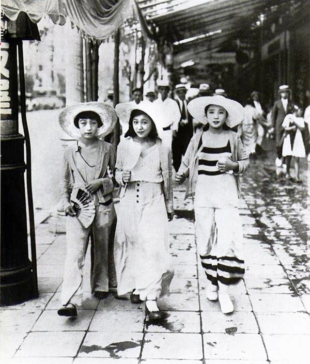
(153, 315)
(101, 295)
(68, 311)
(135, 298)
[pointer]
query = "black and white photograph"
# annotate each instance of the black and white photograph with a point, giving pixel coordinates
(108, 257)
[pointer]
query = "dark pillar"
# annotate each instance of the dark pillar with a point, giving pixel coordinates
(17, 281)
(116, 133)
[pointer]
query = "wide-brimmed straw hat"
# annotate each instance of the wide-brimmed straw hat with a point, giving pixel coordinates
(125, 109)
(235, 110)
(106, 113)
(284, 88)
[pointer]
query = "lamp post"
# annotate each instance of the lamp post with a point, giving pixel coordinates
(18, 280)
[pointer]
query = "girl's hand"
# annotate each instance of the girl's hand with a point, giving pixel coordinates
(93, 186)
(126, 176)
(179, 178)
(170, 215)
(70, 211)
(226, 164)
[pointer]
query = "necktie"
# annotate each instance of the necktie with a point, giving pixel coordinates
(183, 112)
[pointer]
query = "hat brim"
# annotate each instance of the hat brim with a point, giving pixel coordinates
(106, 113)
(285, 90)
(125, 109)
(235, 110)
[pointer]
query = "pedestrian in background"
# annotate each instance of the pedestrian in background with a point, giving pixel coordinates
(144, 172)
(136, 96)
(86, 188)
(184, 132)
(169, 112)
(261, 122)
(280, 109)
(293, 144)
(213, 162)
(248, 129)
(150, 96)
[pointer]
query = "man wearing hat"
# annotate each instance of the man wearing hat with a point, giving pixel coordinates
(169, 110)
(184, 132)
(219, 92)
(280, 109)
(150, 96)
(136, 96)
(86, 188)
(204, 90)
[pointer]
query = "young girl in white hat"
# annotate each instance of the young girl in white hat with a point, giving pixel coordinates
(86, 188)
(144, 171)
(213, 161)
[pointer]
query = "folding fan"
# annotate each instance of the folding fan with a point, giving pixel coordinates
(84, 207)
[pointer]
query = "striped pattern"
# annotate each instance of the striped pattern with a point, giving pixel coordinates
(209, 158)
(227, 270)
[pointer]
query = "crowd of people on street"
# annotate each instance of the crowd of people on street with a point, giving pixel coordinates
(208, 140)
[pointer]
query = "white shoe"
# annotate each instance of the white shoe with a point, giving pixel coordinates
(278, 162)
(212, 294)
(226, 303)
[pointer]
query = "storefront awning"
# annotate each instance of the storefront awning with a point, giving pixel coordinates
(95, 18)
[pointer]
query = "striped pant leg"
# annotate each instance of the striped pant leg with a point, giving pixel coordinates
(206, 237)
(229, 247)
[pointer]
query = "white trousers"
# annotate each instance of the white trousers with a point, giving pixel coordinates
(220, 243)
(77, 241)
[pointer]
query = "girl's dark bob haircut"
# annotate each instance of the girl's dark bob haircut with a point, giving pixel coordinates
(225, 127)
(87, 115)
(131, 133)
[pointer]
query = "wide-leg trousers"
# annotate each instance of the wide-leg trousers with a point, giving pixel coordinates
(220, 243)
(77, 241)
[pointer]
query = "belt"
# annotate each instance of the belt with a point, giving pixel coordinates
(166, 128)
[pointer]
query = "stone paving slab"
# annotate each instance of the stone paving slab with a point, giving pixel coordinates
(51, 344)
(241, 303)
(237, 323)
(281, 348)
(117, 345)
(276, 303)
(124, 321)
(40, 361)
(178, 322)
(172, 346)
(234, 347)
(284, 323)
(49, 320)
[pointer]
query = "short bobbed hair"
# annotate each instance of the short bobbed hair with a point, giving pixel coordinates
(87, 115)
(131, 133)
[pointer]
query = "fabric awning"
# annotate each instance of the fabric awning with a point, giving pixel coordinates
(96, 18)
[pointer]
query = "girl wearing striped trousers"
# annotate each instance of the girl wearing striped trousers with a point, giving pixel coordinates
(213, 162)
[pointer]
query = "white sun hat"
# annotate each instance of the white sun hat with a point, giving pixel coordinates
(235, 110)
(105, 112)
(125, 109)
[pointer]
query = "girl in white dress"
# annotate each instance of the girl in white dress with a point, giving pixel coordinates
(144, 172)
(293, 144)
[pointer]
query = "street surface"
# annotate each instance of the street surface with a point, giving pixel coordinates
(271, 322)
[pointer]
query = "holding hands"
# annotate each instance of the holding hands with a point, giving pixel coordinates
(126, 176)
(180, 178)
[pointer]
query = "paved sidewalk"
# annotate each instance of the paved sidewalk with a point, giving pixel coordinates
(271, 322)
